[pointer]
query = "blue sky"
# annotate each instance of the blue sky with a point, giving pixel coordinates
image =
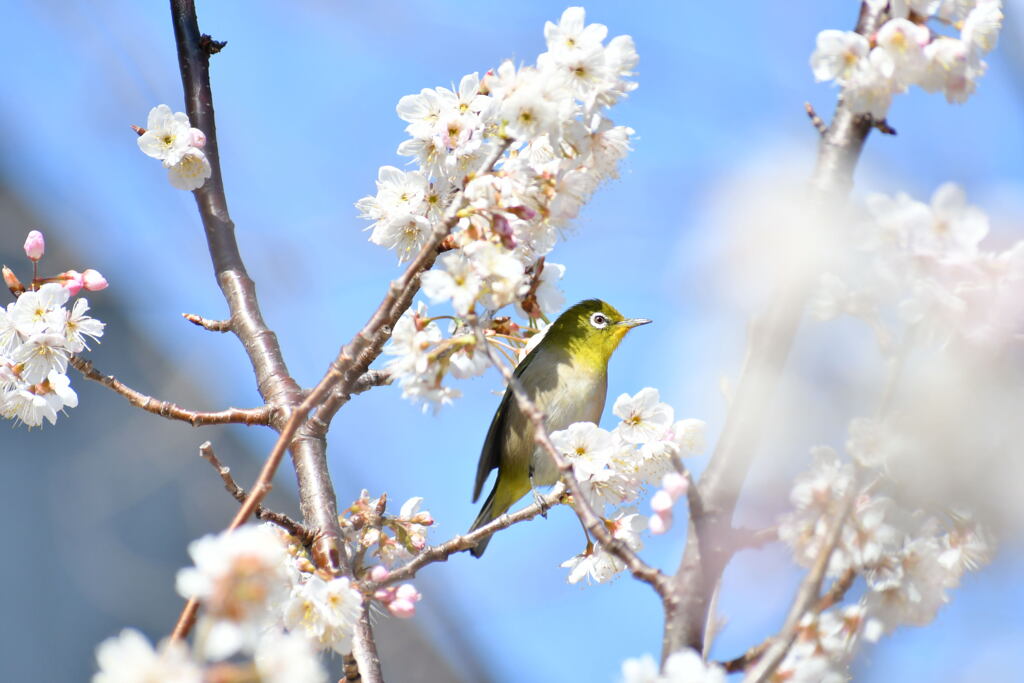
(305, 96)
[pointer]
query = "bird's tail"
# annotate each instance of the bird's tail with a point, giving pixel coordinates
(487, 514)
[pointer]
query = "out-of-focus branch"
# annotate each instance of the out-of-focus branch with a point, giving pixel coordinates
(807, 596)
(442, 551)
(275, 384)
(239, 494)
(172, 411)
(591, 521)
(770, 339)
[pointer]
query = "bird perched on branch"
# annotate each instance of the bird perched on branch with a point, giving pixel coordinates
(566, 376)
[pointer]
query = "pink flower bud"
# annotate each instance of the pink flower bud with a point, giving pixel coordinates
(35, 245)
(72, 281)
(403, 609)
(676, 484)
(418, 541)
(198, 138)
(423, 518)
(660, 523)
(379, 573)
(407, 591)
(93, 281)
(385, 595)
(12, 282)
(661, 501)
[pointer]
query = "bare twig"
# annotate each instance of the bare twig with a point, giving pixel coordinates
(593, 523)
(770, 339)
(816, 121)
(284, 521)
(333, 403)
(441, 552)
(172, 411)
(807, 595)
(746, 659)
(206, 323)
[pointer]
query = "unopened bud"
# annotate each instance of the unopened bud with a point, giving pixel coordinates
(93, 280)
(407, 591)
(35, 245)
(379, 573)
(72, 281)
(198, 138)
(676, 484)
(12, 282)
(403, 609)
(660, 523)
(661, 501)
(504, 231)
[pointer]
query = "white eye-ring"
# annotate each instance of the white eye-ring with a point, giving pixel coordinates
(599, 320)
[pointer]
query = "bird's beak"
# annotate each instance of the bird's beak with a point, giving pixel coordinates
(630, 323)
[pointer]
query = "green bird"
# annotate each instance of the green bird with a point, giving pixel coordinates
(566, 376)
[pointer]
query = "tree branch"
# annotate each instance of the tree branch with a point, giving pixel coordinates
(593, 523)
(441, 552)
(354, 358)
(807, 596)
(770, 339)
(275, 384)
(239, 494)
(207, 324)
(172, 411)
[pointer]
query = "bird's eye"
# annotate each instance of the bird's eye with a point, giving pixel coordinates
(599, 320)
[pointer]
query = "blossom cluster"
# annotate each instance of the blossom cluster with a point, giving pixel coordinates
(615, 467)
(39, 332)
(547, 124)
(169, 137)
(928, 259)
(684, 666)
(908, 559)
(906, 51)
(265, 608)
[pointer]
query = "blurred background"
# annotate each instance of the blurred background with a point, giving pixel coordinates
(102, 506)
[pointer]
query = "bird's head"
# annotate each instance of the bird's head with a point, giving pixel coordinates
(590, 331)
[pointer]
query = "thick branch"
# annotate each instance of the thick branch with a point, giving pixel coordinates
(771, 336)
(276, 386)
(172, 411)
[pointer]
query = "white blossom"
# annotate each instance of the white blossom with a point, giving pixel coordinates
(130, 658)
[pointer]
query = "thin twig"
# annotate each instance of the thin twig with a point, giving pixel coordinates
(172, 411)
(333, 403)
(591, 521)
(462, 542)
(282, 520)
(808, 595)
(746, 659)
(207, 324)
(816, 121)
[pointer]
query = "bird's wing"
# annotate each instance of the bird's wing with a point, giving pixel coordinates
(490, 454)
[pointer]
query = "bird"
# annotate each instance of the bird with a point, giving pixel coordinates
(566, 377)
